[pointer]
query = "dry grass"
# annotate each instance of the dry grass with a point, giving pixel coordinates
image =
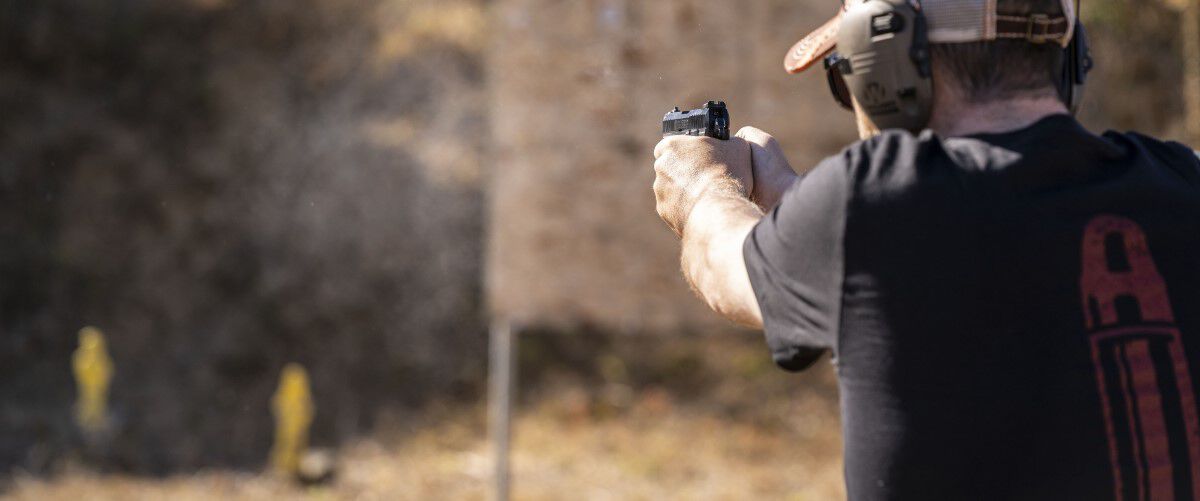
(734, 429)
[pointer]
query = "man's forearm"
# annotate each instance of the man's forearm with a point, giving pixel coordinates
(712, 252)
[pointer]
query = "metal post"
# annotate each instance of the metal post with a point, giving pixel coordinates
(502, 375)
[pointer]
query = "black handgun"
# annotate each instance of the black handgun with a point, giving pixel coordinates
(712, 120)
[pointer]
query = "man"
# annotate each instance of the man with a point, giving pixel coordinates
(1012, 302)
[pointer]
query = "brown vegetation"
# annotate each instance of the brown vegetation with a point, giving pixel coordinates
(652, 419)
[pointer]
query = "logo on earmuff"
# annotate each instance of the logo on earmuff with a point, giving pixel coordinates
(876, 100)
(874, 94)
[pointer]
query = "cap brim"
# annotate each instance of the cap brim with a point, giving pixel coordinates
(813, 47)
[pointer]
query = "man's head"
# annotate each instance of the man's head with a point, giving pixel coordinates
(979, 52)
(985, 71)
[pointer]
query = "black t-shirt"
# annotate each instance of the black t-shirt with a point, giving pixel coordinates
(1012, 316)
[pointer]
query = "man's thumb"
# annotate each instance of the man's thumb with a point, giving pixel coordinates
(755, 135)
(764, 149)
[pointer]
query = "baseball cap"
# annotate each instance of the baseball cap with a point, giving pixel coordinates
(947, 21)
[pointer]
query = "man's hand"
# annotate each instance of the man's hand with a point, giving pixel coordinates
(688, 168)
(702, 188)
(772, 173)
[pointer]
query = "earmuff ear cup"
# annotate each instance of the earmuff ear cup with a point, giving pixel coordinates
(888, 71)
(1077, 62)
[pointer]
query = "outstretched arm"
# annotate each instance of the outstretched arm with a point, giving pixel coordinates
(706, 192)
(712, 256)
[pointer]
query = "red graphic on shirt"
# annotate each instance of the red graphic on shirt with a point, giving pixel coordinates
(1141, 369)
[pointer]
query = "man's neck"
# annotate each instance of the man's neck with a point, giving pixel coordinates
(958, 118)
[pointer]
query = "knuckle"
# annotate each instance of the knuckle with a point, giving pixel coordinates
(662, 147)
(669, 145)
(661, 166)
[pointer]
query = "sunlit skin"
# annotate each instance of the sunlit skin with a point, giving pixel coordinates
(712, 193)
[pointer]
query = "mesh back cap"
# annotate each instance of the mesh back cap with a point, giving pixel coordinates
(948, 21)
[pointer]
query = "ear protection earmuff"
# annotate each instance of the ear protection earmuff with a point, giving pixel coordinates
(883, 56)
(885, 62)
(1077, 62)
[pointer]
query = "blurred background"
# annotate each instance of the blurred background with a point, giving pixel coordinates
(226, 187)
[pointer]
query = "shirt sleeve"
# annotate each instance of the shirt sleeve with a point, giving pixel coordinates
(795, 262)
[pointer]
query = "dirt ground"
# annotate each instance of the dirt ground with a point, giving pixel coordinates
(699, 419)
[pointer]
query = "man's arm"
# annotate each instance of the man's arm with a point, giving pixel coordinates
(701, 192)
(712, 255)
